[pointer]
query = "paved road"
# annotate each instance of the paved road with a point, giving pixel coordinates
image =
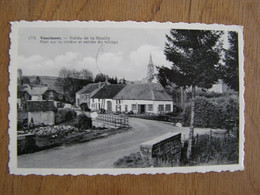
(101, 153)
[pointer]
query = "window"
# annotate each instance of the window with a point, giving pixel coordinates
(133, 106)
(118, 101)
(118, 108)
(168, 107)
(161, 108)
(150, 107)
(126, 108)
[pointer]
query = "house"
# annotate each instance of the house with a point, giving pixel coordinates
(144, 98)
(36, 92)
(219, 87)
(84, 95)
(103, 99)
(139, 98)
(41, 113)
(22, 97)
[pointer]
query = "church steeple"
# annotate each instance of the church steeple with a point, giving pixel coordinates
(150, 60)
(150, 70)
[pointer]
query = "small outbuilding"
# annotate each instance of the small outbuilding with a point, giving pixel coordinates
(41, 113)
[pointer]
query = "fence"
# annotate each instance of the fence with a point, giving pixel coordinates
(159, 117)
(111, 121)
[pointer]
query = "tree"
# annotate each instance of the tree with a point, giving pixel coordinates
(112, 80)
(195, 63)
(230, 70)
(100, 78)
(71, 82)
(25, 80)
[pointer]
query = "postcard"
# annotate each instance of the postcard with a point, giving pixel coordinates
(125, 98)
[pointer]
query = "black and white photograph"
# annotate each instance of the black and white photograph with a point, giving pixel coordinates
(125, 97)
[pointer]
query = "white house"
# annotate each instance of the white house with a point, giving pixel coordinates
(138, 98)
(219, 87)
(144, 98)
(103, 99)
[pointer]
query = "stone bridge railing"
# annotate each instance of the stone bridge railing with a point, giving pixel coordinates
(162, 151)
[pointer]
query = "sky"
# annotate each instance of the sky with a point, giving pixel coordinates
(126, 57)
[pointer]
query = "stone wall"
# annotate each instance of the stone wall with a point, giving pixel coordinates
(39, 118)
(162, 151)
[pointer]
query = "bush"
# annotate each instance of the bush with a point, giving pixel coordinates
(134, 160)
(66, 114)
(83, 122)
(213, 150)
(214, 112)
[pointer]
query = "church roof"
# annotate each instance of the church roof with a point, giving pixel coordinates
(143, 91)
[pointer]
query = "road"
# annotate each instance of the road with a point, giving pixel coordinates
(100, 153)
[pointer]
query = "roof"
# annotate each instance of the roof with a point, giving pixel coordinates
(90, 88)
(38, 106)
(109, 91)
(143, 91)
(50, 81)
(37, 90)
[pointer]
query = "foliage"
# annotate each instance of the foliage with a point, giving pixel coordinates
(63, 115)
(72, 81)
(194, 55)
(25, 80)
(102, 78)
(231, 69)
(83, 122)
(213, 113)
(210, 149)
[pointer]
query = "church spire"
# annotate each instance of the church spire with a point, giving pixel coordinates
(150, 60)
(150, 70)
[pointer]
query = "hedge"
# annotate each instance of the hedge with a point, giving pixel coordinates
(65, 114)
(214, 112)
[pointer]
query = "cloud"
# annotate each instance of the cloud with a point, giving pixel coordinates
(38, 65)
(131, 66)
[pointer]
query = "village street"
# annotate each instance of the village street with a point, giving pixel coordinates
(101, 153)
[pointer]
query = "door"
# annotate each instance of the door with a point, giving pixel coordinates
(109, 106)
(141, 108)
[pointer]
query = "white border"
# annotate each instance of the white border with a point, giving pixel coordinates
(128, 24)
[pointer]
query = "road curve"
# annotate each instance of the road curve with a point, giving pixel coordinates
(100, 153)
